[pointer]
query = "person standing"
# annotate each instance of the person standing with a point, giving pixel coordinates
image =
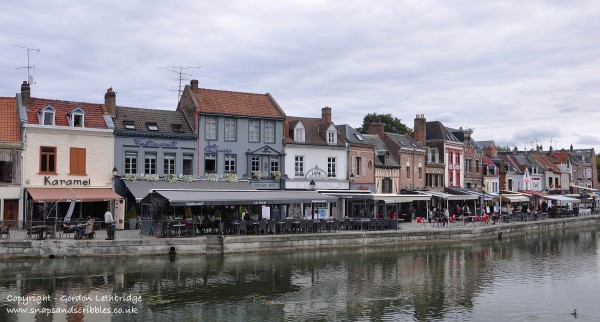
(110, 225)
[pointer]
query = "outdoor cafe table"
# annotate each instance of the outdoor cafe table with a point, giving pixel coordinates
(39, 230)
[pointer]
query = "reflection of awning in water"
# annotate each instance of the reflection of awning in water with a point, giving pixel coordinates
(246, 197)
(67, 194)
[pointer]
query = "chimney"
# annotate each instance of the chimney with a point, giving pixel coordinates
(377, 128)
(110, 102)
(25, 93)
(194, 85)
(326, 114)
(571, 148)
(420, 130)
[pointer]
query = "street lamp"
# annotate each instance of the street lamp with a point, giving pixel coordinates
(312, 186)
(352, 177)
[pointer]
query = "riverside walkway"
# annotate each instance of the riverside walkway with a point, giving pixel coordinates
(132, 243)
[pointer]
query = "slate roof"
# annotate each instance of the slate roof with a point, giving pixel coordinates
(315, 131)
(485, 143)
(93, 113)
(380, 151)
(166, 120)
(437, 131)
(9, 120)
(238, 103)
(351, 135)
(405, 141)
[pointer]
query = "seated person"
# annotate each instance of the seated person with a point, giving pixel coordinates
(247, 216)
(89, 227)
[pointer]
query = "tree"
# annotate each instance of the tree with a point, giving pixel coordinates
(391, 124)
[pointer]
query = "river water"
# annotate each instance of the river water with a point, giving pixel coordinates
(536, 277)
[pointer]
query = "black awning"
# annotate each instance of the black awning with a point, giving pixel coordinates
(140, 189)
(243, 197)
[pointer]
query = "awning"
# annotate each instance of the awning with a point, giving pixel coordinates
(140, 189)
(562, 198)
(385, 197)
(243, 197)
(68, 194)
(512, 197)
(448, 196)
(582, 187)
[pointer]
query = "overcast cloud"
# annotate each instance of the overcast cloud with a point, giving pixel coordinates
(517, 72)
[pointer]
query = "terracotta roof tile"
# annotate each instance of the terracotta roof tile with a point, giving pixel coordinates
(314, 131)
(237, 103)
(9, 120)
(92, 118)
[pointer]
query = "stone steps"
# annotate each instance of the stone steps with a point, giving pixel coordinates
(214, 244)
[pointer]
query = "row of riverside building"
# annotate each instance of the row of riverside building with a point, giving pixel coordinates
(53, 151)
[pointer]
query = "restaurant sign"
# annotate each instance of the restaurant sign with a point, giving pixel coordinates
(63, 182)
(316, 173)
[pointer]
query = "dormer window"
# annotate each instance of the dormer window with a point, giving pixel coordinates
(299, 133)
(177, 128)
(152, 126)
(76, 118)
(331, 135)
(46, 115)
(129, 125)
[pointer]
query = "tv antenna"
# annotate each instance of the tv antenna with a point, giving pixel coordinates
(29, 77)
(181, 76)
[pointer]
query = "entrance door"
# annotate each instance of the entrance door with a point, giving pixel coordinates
(11, 213)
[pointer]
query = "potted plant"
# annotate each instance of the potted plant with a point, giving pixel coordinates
(276, 175)
(256, 175)
(132, 217)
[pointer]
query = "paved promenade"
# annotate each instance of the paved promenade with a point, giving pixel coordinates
(131, 243)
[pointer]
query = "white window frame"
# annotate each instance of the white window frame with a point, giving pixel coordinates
(230, 164)
(269, 131)
(210, 128)
(299, 133)
(169, 163)
(230, 129)
(131, 162)
(150, 163)
(255, 163)
(331, 167)
(299, 166)
(47, 113)
(253, 130)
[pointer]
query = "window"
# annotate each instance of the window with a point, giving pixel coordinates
(230, 130)
(76, 118)
(408, 172)
(299, 166)
(253, 131)
(210, 163)
(152, 126)
(210, 130)
(420, 173)
(48, 159)
(476, 166)
(131, 162)
(77, 162)
(359, 137)
(188, 164)
(255, 163)
(299, 133)
(229, 163)
(129, 125)
(169, 163)
(358, 169)
(274, 164)
(331, 167)
(6, 171)
(46, 115)
(386, 185)
(150, 163)
(177, 128)
(269, 132)
(331, 137)
(468, 165)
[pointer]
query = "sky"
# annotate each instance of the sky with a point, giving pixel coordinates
(521, 73)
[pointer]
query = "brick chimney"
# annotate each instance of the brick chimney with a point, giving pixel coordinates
(420, 130)
(377, 128)
(194, 85)
(25, 94)
(110, 102)
(326, 114)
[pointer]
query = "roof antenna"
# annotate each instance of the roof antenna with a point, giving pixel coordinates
(178, 70)
(29, 77)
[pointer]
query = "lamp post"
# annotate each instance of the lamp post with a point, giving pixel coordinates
(347, 203)
(312, 186)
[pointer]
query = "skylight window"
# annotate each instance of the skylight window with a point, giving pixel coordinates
(129, 125)
(177, 127)
(152, 126)
(359, 137)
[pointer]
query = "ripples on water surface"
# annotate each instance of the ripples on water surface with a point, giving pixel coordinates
(540, 277)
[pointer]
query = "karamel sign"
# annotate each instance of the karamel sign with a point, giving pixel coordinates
(66, 182)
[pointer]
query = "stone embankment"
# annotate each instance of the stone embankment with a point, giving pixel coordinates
(410, 233)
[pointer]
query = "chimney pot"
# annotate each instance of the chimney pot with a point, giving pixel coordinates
(110, 102)
(194, 85)
(326, 114)
(25, 94)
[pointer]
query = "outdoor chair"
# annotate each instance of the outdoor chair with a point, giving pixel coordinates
(262, 227)
(242, 228)
(271, 226)
(373, 224)
(337, 224)
(287, 227)
(4, 231)
(347, 224)
(302, 226)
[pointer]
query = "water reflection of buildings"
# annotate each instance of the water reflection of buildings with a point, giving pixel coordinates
(377, 283)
